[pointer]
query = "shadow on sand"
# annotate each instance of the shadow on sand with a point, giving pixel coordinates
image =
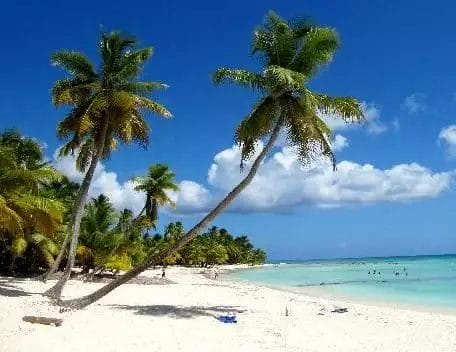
(179, 311)
(9, 290)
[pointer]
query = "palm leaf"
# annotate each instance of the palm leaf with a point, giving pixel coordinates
(242, 78)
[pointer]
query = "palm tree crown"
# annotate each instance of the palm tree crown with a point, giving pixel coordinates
(157, 185)
(291, 53)
(110, 97)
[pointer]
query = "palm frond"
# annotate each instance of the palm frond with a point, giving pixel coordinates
(348, 108)
(143, 87)
(18, 246)
(255, 126)
(306, 131)
(152, 106)
(318, 48)
(281, 79)
(75, 63)
(9, 219)
(242, 78)
(275, 40)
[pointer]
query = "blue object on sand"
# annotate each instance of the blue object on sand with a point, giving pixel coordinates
(227, 319)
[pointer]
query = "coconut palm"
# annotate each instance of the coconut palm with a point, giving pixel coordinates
(156, 185)
(107, 107)
(24, 211)
(100, 242)
(291, 54)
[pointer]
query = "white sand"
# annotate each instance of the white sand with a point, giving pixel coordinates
(181, 317)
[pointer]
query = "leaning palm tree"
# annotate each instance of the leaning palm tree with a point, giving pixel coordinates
(107, 108)
(156, 185)
(292, 53)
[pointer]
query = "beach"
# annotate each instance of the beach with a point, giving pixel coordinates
(180, 315)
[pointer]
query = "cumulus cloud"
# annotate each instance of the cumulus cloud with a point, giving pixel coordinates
(192, 198)
(282, 183)
(413, 103)
(447, 137)
(339, 143)
(372, 123)
(122, 194)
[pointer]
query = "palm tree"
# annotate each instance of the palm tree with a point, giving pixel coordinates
(28, 153)
(291, 54)
(107, 106)
(25, 214)
(100, 242)
(156, 185)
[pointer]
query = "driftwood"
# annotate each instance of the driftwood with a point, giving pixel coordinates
(42, 320)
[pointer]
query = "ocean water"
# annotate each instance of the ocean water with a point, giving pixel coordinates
(422, 281)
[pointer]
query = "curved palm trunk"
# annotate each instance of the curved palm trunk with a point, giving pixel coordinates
(55, 265)
(136, 220)
(82, 302)
(76, 216)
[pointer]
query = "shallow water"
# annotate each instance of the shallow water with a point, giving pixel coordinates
(427, 281)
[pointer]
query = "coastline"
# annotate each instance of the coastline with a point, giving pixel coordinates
(322, 292)
(182, 317)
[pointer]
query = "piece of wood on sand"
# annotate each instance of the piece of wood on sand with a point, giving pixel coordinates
(42, 320)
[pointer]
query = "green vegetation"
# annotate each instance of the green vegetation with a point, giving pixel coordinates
(29, 219)
(36, 203)
(107, 108)
(41, 212)
(291, 54)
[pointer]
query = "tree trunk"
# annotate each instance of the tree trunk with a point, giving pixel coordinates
(76, 216)
(136, 220)
(56, 264)
(11, 266)
(84, 301)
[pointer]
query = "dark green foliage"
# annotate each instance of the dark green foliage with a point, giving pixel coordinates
(30, 218)
(217, 246)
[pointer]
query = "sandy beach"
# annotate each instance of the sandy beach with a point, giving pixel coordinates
(181, 316)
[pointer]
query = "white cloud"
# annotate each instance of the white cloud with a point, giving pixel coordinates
(192, 198)
(122, 195)
(413, 103)
(339, 143)
(372, 123)
(282, 183)
(396, 124)
(447, 137)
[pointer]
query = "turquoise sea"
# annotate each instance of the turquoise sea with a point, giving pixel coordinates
(421, 281)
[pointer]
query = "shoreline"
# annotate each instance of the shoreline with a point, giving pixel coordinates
(183, 317)
(323, 293)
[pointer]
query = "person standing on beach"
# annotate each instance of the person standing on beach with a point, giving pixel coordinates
(163, 273)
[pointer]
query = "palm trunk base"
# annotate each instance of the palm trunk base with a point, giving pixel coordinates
(55, 292)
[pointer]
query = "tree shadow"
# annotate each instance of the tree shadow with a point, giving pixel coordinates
(8, 290)
(180, 312)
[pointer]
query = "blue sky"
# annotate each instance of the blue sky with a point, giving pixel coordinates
(396, 57)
